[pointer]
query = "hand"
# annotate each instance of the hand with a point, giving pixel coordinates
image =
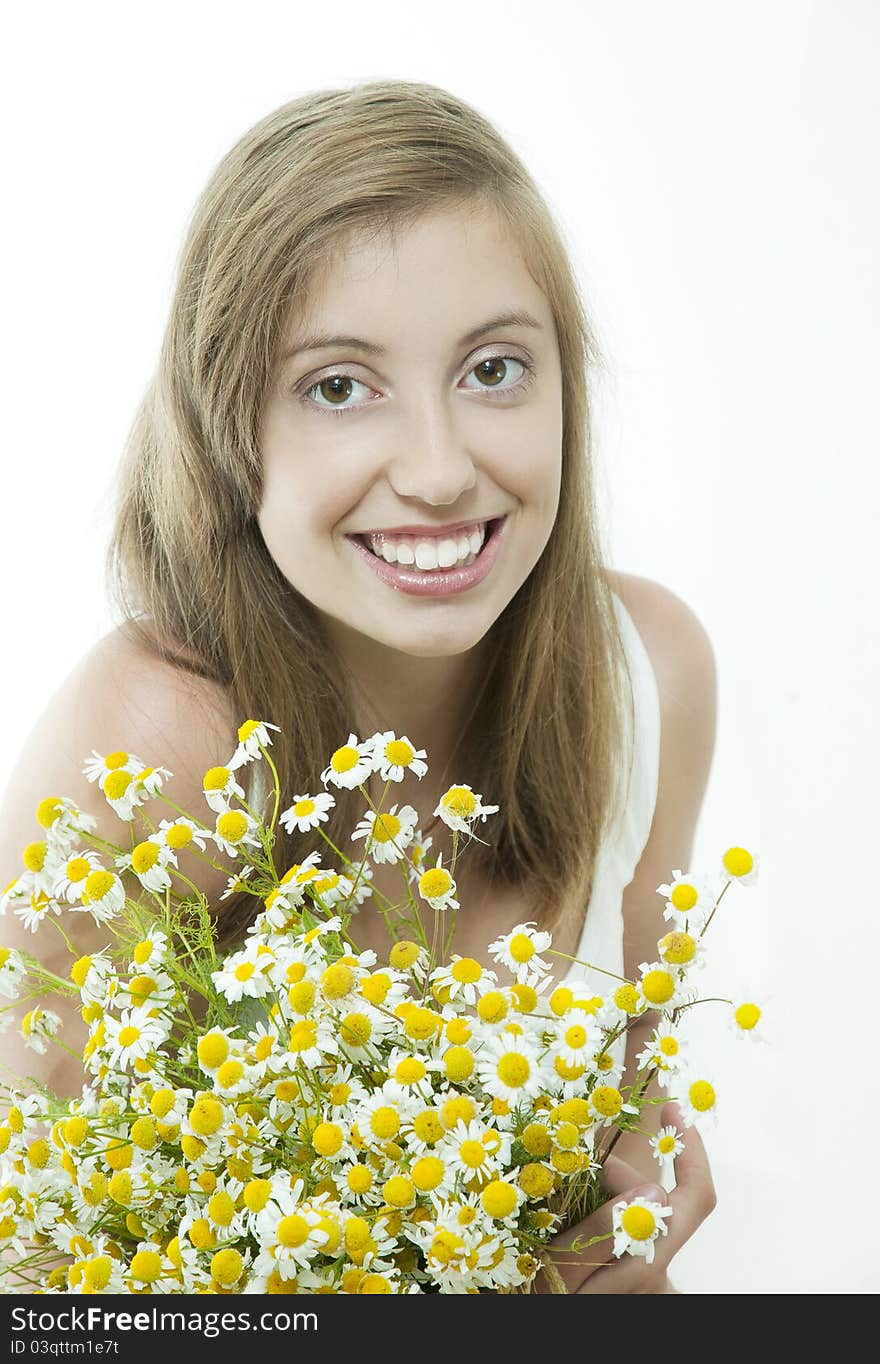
(595, 1269)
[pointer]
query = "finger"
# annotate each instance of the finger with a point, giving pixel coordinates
(693, 1198)
(573, 1258)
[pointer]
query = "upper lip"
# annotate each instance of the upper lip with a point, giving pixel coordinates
(429, 530)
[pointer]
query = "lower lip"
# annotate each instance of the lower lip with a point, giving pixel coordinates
(436, 582)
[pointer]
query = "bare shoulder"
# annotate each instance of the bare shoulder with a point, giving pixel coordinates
(673, 634)
(684, 664)
(117, 697)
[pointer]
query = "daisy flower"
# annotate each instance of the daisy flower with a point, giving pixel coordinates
(312, 1041)
(236, 883)
(740, 865)
(518, 950)
(745, 1017)
(150, 952)
(460, 807)
(307, 812)
(666, 1050)
(102, 896)
(38, 1027)
(576, 1037)
(289, 1231)
(62, 820)
(251, 735)
(666, 1145)
(475, 1151)
(437, 887)
(689, 901)
(131, 1037)
(218, 787)
(350, 765)
(151, 779)
(43, 861)
(696, 1099)
(240, 975)
(509, 1068)
(388, 833)
(92, 975)
(73, 873)
(637, 1225)
(12, 971)
(663, 987)
(34, 908)
(149, 861)
(464, 978)
(235, 829)
(177, 834)
(393, 757)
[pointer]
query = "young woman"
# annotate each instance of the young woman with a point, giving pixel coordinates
(358, 496)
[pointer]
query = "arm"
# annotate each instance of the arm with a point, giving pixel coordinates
(684, 665)
(117, 696)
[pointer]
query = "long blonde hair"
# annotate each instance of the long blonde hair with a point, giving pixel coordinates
(187, 566)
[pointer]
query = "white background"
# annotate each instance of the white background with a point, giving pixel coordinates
(713, 167)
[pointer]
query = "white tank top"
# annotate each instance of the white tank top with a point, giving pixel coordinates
(601, 939)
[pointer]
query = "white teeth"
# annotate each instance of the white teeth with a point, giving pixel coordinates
(428, 555)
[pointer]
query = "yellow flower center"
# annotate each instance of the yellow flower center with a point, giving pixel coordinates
(738, 861)
(521, 948)
(702, 1095)
(638, 1223)
(513, 1070)
(658, 987)
(747, 1015)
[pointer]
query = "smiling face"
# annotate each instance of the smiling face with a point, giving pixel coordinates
(429, 427)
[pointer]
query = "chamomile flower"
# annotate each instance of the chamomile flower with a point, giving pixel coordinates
(689, 901)
(663, 987)
(236, 883)
(179, 833)
(63, 820)
(219, 787)
(393, 757)
(43, 861)
(289, 1231)
(307, 812)
(696, 1098)
(12, 972)
(666, 1145)
(576, 1036)
(150, 952)
(509, 1068)
(475, 1151)
(463, 979)
(150, 780)
(312, 1041)
(38, 1027)
(241, 975)
(437, 887)
(740, 865)
(102, 896)
(637, 1225)
(460, 807)
(149, 860)
(388, 833)
(92, 975)
(519, 950)
(35, 908)
(251, 735)
(73, 873)
(350, 765)
(234, 830)
(666, 1051)
(131, 1037)
(746, 1017)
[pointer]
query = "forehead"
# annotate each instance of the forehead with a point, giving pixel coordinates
(449, 269)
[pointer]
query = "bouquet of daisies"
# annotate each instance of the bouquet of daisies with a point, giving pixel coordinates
(296, 1116)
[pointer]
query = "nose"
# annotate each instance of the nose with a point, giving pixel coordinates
(430, 461)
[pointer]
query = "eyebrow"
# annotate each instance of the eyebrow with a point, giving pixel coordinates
(517, 317)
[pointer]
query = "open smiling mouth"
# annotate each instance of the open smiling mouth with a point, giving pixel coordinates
(439, 581)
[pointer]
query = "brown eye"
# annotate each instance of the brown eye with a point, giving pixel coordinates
(335, 388)
(489, 369)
